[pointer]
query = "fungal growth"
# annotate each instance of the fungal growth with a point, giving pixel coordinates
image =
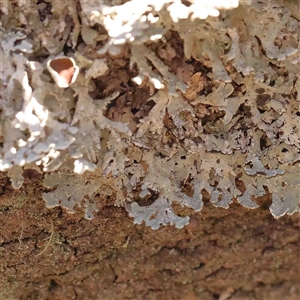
(63, 70)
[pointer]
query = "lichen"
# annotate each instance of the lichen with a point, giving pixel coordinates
(149, 122)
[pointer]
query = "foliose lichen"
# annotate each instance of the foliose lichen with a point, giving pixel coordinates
(215, 112)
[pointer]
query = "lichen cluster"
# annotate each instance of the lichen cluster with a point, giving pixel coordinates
(173, 99)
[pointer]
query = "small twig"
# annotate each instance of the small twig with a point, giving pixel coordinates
(127, 242)
(49, 238)
(21, 236)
